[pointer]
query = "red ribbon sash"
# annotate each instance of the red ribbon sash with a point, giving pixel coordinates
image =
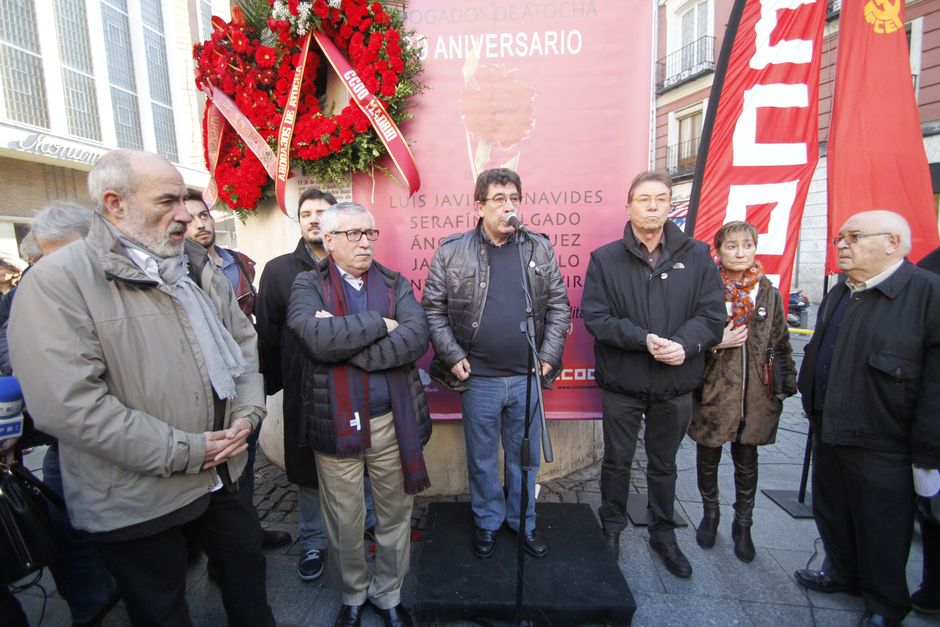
(381, 121)
(286, 130)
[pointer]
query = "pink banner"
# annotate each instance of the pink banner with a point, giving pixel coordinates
(558, 91)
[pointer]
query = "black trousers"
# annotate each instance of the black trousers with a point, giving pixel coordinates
(930, 537)
(666, 424)
(151, 571)
(863, 501)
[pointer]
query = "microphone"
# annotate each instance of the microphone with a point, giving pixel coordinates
(513, 220)
(11, 408)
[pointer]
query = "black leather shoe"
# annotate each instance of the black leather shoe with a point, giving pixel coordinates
(273, 538)
(395, 616)
(349, 615)
(613, 542)
(484, 541)
(877, 620)
(820, 581)
(673, 559)
(535, 545)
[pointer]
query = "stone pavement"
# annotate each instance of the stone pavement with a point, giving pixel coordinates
(722, 590)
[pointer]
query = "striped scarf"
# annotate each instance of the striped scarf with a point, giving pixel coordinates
(349, 384)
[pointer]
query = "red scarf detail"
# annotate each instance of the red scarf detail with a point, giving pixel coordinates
(738, 292)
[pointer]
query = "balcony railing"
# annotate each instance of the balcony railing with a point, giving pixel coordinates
(686, 63)
(681, 158)
(832, 9)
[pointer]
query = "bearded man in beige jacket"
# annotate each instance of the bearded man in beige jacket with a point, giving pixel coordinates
(132, 351)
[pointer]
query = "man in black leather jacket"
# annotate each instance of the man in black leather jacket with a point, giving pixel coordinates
(475, 304)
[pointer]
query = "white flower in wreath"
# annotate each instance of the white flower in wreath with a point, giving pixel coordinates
(334, 3)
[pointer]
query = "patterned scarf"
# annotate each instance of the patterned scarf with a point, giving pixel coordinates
(348, 384)
(738, 292)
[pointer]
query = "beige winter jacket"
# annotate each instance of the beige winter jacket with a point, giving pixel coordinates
(109, 365)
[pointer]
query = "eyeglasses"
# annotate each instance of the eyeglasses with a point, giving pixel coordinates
(500, 200)
(355, 235)
(645, 201)
(853, 237)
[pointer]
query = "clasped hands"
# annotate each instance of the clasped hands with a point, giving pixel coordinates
(665, 350)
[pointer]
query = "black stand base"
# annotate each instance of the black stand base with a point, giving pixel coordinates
(789, 501)
(578, 583)
(639, 515)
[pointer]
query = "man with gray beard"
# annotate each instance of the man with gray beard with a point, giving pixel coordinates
(146, 372)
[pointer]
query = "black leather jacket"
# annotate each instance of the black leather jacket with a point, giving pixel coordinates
(455, 292)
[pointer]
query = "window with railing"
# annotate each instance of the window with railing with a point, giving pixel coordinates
(687, 63)
(21, 69)
(832, 9)
(682, 156)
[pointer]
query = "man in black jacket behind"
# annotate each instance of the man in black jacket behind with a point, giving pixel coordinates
(278, 352)
(869, 383)
(653, 301)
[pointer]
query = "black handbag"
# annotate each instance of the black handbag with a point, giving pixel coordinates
(27, 539)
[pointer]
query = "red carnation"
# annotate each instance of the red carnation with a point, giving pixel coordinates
(293, 6)
(365, 24)
(239, 41)
(335, 143)
(265, 56)
(320, 8)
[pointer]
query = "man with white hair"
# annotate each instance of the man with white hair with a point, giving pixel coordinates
(364, 407)
(870, 383)
(147, 373)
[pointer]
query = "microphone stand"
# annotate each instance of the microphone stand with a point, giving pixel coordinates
(533, 380)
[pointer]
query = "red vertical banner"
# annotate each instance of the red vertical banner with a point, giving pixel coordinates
(876, 149)
(760, 143)
(553, 90)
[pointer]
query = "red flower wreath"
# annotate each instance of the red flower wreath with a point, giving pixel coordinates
(254, 64)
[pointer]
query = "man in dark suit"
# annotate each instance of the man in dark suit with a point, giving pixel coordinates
(870, 385)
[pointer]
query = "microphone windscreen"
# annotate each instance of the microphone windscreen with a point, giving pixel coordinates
(10, 389)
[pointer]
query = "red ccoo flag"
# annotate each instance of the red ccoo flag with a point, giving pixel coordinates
(876, 150)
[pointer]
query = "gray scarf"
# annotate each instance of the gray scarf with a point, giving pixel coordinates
(223, 356)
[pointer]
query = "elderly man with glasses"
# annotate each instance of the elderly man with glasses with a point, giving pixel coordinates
(475, 303)
(653, 301)
(870, 383)
(363, 405)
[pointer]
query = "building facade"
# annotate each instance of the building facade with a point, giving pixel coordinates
(81, 77)
(690, 35)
